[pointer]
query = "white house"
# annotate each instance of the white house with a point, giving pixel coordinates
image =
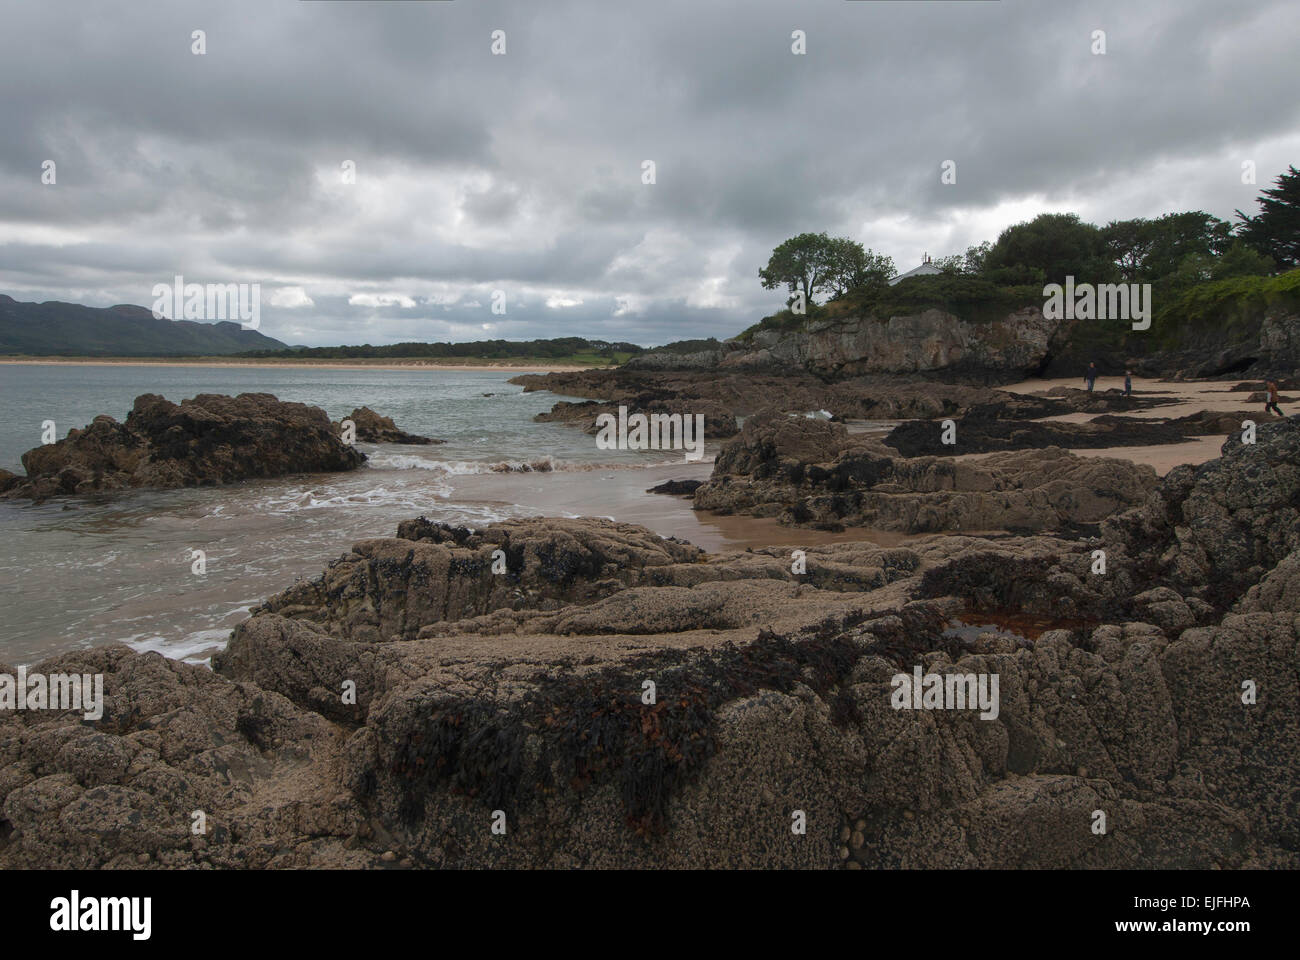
(926, 269)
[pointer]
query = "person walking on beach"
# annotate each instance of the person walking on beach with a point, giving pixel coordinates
(1128, 383)
(1271, 387)
(1090, 376)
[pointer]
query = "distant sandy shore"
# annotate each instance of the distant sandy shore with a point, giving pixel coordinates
(289, 364)
(1193, 396)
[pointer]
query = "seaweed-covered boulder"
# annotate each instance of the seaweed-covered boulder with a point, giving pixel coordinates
(206, 440)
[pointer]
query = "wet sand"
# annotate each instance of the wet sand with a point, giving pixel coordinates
(1162, 457)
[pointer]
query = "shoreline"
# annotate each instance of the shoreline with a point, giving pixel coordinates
(292, 364)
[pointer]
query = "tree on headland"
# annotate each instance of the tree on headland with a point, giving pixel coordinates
(1128, 243)
(814, 263)
(1275, 230)
(1238, 260)
(854, 267)
(969, 264)
(801, 263)
(1176, 236)
(1047, 249)
(1148, 251)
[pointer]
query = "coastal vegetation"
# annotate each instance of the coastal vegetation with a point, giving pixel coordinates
(1203, 272)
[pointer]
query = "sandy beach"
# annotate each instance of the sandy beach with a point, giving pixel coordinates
(620, 494)
(286, 364)
(1193, 397)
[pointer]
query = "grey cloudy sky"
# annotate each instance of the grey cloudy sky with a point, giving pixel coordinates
(522, 172)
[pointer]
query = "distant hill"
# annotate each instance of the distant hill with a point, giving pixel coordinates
(570, 349)
(55, 329)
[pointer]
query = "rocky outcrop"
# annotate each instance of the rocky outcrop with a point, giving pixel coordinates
(812, 473)
(388, 588)
(677, 488)
(1009, 348)
(923, 340)
(373, 428)
(209, 439)
(174, 740)
(719, 423)
(875, 397)
(962, 329)
(608, 698)
(1215, 530)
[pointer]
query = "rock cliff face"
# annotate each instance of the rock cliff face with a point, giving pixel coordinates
(1011, 348)
(207, 440)
(927, 342)
(611, 698)
(1263, 341)
(720, 394)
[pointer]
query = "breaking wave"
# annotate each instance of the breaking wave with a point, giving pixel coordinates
(544, 464)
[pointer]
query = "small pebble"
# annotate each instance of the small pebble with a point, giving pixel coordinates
(859, 824)
(1083, 771)
(853, 865)
(388, 856)
(857, 840)
(844, 853)
(908, 815)
(844, 834)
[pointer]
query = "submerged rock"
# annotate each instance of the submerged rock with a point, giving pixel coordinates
(373, 428)
(676, 487)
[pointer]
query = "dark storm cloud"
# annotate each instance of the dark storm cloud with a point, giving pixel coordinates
(523, 172)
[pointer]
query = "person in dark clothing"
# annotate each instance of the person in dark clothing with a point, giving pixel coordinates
(1128, 383)
(1271, 387)
(1090, 376)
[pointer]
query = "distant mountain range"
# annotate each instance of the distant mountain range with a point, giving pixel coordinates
(55, 329)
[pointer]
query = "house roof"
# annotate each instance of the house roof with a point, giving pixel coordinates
(924, 270)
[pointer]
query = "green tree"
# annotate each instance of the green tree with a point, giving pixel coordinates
(975, 259)
(954, 264)
(1128, 243)
(969, 264)
(802, 263)
(1240, 260)
(1176, 236)
(1275, 230)
(816, 263)
(1050, 247)
(854, 268)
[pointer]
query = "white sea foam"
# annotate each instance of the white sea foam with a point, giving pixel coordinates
(194, 647)
(541, 464)
(407, 499)
(404, 461)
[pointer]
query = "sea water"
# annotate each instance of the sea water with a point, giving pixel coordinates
(79, 572)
